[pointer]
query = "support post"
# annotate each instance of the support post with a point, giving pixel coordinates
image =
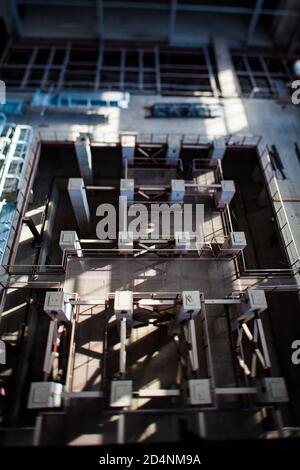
(84, 158)
(122, 366)
(31, 225)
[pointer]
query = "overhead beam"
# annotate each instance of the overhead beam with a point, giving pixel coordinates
(161, 6)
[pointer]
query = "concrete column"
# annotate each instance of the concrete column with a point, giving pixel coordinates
(127, 189)
(84, 158)
(123, 214)
(128, 143)
(229, 84)
(218, 151)
(225, 194)
(177, 191)
(79, 203)
(173, 150)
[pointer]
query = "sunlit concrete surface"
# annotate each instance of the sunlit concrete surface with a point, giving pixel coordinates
(94, 279)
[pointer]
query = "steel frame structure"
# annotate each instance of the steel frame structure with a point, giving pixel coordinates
(16, 164)
(195, 141)
(111, 66)
(143, 68)
(191, 365)
(254, 11)
(236, 390)
(262, 74)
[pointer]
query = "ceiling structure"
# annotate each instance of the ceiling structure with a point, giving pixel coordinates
(177, 22)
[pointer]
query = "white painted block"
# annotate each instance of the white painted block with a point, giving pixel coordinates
(127, 189)
(57, 306)
(272, 390)
(200, 393)
(123, 303)
(177, 191)
(255, 301)
(128, 146)
(182, 241)
(191, 305)
(45, 395)
(121, 393)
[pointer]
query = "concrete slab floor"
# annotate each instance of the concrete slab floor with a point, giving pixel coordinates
(96, 278)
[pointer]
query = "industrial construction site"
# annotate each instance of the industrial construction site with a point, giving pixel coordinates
(150, 222)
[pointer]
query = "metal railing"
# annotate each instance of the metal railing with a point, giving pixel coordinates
(151, 138)
(279, 209)
(33, 269)
(231, 140)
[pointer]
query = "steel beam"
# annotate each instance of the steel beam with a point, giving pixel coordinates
(64, 66)
(141, 69)
(83, 394)
(29, 67)
(32, 227)
(153, 392)
(47, 68)
(97, 81)
(157, 69)
(16, 17)
(236, 391)
(52, 333)
(5, 51)
(267, 74)
(163, 6)
(100, 19)
(122, 68)
(122, 362)
(263, 343)
(193, 342)
(172, 19)
(254, 20)
(249, 71)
